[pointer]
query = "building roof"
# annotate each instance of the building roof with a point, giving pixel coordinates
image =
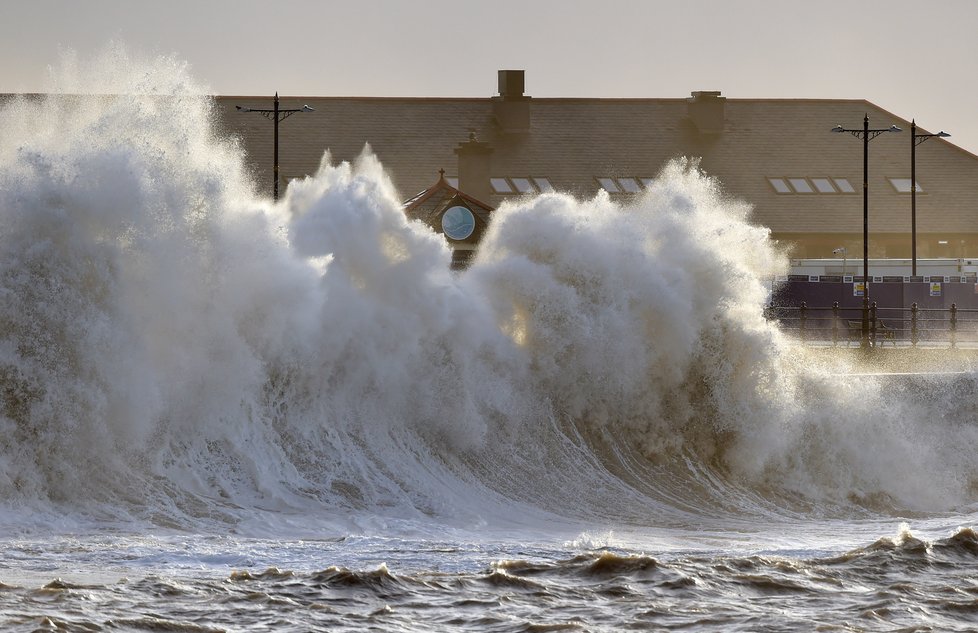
(776, 154)
(434, 196)
(574, 142)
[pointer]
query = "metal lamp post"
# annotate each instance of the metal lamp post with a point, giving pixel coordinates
(276, 114)
(842, 250)
(866, 135)
(915, 140)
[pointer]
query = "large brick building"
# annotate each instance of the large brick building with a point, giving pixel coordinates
(779, 155)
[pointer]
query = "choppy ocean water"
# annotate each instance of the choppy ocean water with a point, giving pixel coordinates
(199, 583)
(222, 414)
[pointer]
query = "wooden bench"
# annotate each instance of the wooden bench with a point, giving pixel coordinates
(883, 332)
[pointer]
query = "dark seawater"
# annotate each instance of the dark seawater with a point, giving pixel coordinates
(223, 414)
(900, 583)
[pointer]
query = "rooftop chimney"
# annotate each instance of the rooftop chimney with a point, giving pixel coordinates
(511, 84)
(706, 110)
(473, 168)
(512, 108)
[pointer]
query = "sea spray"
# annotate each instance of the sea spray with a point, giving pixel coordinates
(174, 348)
(399, 331)
(617, 302)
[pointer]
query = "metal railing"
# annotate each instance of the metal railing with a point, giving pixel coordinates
(932, 327)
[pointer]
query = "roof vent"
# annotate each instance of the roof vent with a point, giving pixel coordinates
(706, 109)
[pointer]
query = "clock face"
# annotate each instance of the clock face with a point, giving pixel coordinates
(458, 223)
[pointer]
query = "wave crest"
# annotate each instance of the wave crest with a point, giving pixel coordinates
(178, 350)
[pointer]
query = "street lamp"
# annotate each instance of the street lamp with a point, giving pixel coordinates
(276, 114)
(915, 140)
(842, 250)
(866, 135)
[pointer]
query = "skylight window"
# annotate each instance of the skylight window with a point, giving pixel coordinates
(811, 185)
(903, 185)
(823, 185)
(843, 185)
(543, 185)
(522, 185)
(629, 185)
(625, 184)
(500, 185)
(800, 185)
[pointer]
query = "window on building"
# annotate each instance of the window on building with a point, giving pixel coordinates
(903, 185)
(823, 185)
(519, 184)
(629, 185)
(609, 185)
(452, 182)
(500, 185)
(800, 185)
(647, 182)
(812, 185)
(843, 185)
(543, 184)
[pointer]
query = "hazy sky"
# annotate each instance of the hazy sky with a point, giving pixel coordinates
(916, 59)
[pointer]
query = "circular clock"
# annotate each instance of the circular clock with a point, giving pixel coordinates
(458, 223)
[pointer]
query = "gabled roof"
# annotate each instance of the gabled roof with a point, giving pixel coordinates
(440, 191)
(572, 142)
(429, 205)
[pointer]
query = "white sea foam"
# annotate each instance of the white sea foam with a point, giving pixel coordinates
(174, 348)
